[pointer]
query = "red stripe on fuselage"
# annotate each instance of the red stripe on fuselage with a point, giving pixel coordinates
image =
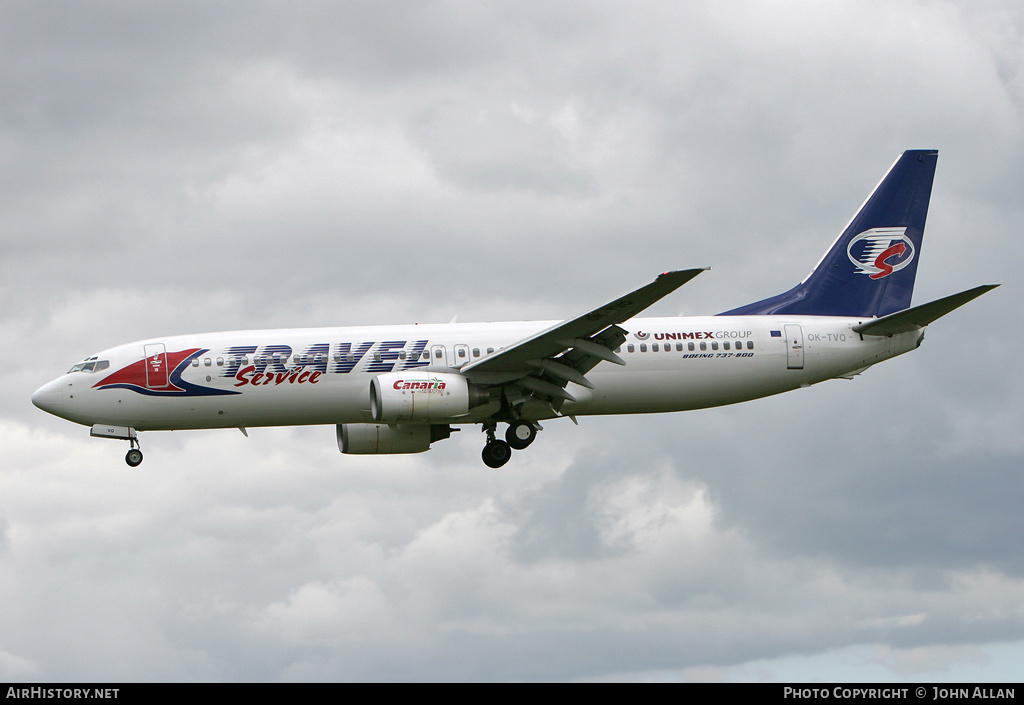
(135, 373)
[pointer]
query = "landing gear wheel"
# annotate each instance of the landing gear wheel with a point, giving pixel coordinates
(496, 453)
(133, 458)
(520, 434)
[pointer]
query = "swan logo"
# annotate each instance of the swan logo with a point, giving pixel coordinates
(881, 251)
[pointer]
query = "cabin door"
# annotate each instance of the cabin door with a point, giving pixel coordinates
(156, 366)
(794, 347)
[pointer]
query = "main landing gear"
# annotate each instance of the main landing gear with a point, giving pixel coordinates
(519, 435)
(496, 453)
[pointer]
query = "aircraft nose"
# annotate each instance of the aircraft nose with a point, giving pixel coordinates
(49, 398)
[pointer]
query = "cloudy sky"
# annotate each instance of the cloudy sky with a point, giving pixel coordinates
(181, 167)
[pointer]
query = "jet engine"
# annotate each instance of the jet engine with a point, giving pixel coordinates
(420, 396)
(379, 439)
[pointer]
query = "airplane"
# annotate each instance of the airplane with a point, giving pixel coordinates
(400, 388)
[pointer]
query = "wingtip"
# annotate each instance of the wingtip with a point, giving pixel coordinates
(693, 271)
(984, 288)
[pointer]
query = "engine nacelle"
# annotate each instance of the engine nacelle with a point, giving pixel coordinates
(379, 439)
(421, 396)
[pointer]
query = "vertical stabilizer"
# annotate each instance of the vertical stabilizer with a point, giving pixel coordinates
(871, 267)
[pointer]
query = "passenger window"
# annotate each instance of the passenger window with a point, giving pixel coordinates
(437, 354)
(401, 355)
(630, 348)
(679, 347)
(207, 361)
(490, 350)
(476, 352)
(220, 362)
(689, 346)
(462, 352)
(376, 357)
(750, 345)
(654, 347)
(195, 362)
(643, 347)
(703, 346)
(725, 345)
(714, 345)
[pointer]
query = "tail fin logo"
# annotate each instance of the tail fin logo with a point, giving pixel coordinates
(881, 251)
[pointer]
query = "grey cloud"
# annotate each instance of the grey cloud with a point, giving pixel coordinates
(171, 168)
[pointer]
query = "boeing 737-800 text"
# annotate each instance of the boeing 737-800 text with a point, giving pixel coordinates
(399, 388)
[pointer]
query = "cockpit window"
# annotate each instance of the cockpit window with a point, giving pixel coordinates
(90, 364)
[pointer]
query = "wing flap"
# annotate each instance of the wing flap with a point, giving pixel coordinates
(591, 348)
(563, 372)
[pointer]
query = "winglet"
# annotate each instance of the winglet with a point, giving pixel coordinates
(918, 317)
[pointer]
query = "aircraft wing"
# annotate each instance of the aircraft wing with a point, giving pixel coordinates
(543, 364)
(918, 317)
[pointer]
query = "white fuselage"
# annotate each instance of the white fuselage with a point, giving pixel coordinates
(322, 375)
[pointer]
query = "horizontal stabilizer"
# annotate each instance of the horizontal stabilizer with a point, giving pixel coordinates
(918, 317)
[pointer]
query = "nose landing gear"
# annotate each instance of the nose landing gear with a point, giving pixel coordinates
(121, 433)
(134, 455)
